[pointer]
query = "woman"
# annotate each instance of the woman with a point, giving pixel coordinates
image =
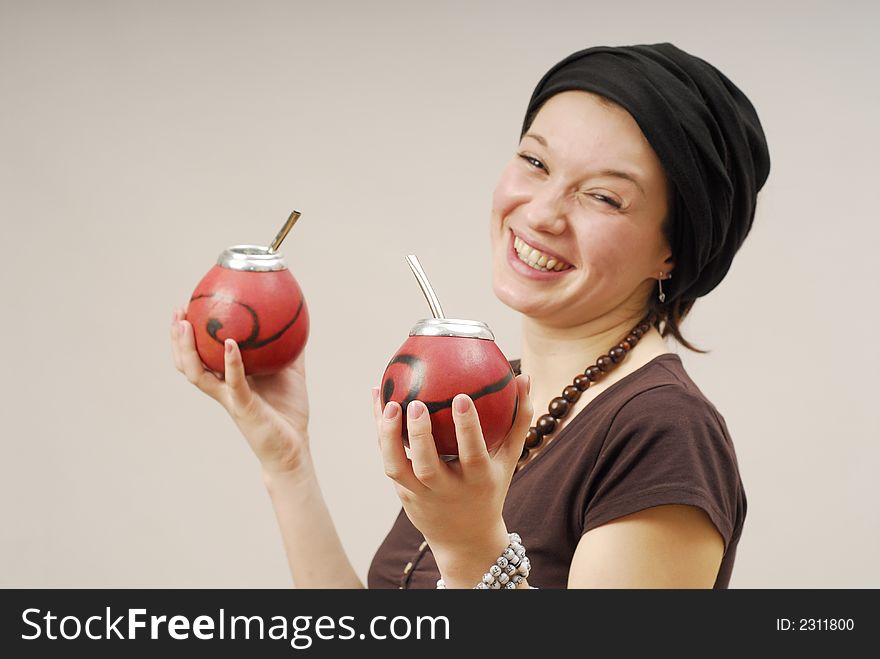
(633, 186)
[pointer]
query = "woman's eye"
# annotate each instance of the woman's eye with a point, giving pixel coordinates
(607, 200)
(534, 162)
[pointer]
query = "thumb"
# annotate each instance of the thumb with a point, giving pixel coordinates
(240, 394)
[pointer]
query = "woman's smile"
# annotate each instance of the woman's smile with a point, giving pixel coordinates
(534, 263)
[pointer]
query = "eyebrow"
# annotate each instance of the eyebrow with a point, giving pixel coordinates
(616, 173)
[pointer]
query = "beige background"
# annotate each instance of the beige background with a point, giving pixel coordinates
(138, 139)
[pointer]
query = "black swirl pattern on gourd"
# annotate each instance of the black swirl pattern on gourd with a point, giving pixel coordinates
(214, 325)
(417, 366)
(418, 380)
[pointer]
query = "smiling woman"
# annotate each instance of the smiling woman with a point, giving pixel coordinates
(633, 163)
(632, 187)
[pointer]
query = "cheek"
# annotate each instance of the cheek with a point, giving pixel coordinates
(510, 192)
(611, 250)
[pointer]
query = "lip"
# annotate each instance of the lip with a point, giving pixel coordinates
(527, 271)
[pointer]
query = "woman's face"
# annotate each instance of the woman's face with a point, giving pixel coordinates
(577, 215)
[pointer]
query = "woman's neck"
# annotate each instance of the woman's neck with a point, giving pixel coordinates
(547, 350)
(553, 356)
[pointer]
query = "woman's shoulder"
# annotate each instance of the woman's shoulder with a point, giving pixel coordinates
(662, 387)
(663, 408)
(665, 442)
(656, 405)
(660, 391)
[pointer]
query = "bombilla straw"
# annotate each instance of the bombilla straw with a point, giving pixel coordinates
(433, 302)
(294, 216)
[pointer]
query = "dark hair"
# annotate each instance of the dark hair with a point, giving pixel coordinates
(669, 315)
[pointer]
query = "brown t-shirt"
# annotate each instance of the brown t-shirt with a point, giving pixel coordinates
(649, 439)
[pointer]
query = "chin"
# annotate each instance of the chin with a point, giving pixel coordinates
(520, 301)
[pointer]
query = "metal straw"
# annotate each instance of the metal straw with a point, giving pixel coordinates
(430, 296)
(294, 216)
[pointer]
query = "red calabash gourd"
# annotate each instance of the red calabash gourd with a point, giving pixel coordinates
(249, 296)
(444, 357)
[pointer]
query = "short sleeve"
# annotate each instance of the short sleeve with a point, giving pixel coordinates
(667, 445)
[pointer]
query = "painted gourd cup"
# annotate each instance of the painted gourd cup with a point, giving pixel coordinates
(249, 296)
(444, 357)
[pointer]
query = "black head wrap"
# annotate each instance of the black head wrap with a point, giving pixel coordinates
(704, 131)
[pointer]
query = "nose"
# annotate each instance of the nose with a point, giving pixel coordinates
(546, 211)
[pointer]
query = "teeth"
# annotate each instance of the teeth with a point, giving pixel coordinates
(535, 258)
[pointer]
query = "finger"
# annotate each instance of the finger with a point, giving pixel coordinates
(240, 394)
(397, 466)
(472, 453)
(426, 463)
(175, 336)
(192, 365)
(511, 449)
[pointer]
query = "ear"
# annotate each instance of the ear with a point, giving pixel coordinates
(667, 265)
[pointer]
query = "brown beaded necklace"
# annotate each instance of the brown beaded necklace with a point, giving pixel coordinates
(560, 407)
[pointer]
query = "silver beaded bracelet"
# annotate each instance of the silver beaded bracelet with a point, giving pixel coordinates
(508, 571)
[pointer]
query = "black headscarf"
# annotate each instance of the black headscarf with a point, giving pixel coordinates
(704, 131)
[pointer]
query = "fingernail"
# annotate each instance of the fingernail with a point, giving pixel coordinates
(375, 392)
(461, 403)
(528, 384)
(390, 410)
(228, 345)
(181, 326)
(415, 410)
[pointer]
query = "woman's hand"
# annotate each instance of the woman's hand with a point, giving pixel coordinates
(272, 411)
(456, 505)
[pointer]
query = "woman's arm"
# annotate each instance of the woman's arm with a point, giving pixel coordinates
(272, 413)
(668, 546)
(314, 552)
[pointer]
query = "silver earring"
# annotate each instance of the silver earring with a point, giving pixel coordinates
(662, 295)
